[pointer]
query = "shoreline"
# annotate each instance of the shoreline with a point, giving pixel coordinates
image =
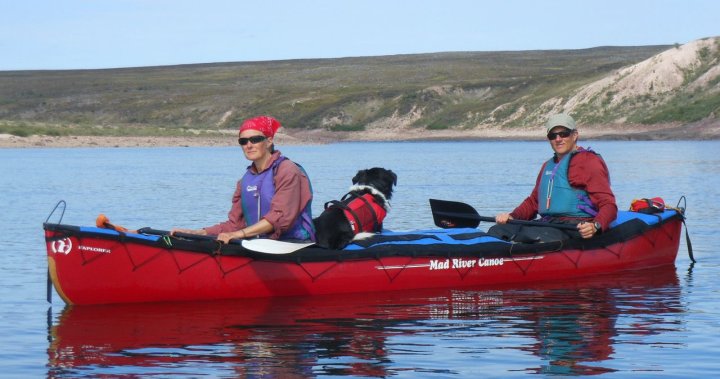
(700, 131)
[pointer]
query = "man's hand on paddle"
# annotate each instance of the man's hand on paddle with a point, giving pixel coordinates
(586, 229)
(503, 218)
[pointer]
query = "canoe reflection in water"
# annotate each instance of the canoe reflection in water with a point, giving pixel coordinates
(570, 328)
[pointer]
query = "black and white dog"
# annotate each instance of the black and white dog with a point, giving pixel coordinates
(363, 209)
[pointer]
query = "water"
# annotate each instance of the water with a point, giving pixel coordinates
(659, 323)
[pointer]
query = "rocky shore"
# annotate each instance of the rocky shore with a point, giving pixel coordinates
(704, 130)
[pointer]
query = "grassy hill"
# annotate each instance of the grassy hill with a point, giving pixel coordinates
(434, 91)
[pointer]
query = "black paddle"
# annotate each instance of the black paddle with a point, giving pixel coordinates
(260, 245)
(454, 214)
(157, 232)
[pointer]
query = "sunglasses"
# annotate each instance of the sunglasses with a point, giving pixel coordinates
(563, 134)
(253, 140)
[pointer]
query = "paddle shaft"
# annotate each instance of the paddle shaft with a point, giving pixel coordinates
(262, 245)
(458, 213)
(511, 221)
(535, 223)
(158, 232)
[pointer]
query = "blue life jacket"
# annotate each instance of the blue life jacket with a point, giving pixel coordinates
(556, 198)
(258, 190)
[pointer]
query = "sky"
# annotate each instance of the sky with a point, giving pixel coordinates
(88, 34)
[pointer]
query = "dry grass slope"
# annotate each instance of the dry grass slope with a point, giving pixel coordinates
(422, 96)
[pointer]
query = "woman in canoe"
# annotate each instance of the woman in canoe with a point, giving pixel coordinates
(273, 198)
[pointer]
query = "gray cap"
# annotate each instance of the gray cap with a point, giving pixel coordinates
(560, 119)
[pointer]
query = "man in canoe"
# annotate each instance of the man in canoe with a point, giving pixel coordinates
(273, 199)
(572, 187)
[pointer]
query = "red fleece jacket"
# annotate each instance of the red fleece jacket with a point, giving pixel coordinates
(587, 172)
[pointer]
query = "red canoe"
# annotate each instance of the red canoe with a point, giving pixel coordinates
(90, 265)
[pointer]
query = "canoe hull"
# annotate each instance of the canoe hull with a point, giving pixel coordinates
(87, 269)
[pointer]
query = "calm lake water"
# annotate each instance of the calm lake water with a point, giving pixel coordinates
(663, 322)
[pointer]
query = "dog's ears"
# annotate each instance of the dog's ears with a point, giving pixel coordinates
(360, 176)
(394, 176)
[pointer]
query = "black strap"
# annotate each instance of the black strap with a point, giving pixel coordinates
(687, 241)
(347, 199)
(376, 226)
(344, 207)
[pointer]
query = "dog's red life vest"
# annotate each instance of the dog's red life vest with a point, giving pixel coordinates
(363, 212)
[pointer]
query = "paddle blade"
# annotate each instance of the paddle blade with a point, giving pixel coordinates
(454, 214)
(269, 246)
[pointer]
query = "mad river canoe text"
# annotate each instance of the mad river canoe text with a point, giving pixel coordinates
(444, 264)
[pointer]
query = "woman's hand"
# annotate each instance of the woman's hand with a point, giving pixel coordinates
(226, 237)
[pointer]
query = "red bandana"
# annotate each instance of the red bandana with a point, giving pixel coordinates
(264, 124)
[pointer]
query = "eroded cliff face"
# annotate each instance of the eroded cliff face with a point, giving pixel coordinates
(680, 85)
(688, 70)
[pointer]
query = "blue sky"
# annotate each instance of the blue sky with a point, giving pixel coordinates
(79, 34)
